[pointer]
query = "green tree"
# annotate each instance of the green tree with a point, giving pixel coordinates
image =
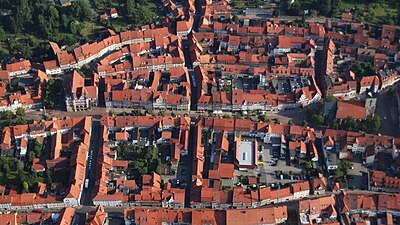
(335, 124)
(20, 111)
(336, 6)
(25, 187)
(53, 89)
(111, 112)
(263, 118)
(20, 165)
(81, 9)
(317, 119)
(130, 9)
(276, 13)
(8, 116)
(363, 69)
(48, 177)
(31, 156)
(22, 16)
(20, 121)
(331, 98)
(325, 7)
(37, 148)
(349, 124)
(226, 116)
(398, 13)
(294, 8)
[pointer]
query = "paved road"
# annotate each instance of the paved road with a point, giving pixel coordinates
(92, 162)
(387, 109)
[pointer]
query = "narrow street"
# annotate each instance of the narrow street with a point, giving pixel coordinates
(387, 109)
(91, 166)
(92, 162)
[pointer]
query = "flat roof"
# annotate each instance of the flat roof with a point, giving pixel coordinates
(246, 153)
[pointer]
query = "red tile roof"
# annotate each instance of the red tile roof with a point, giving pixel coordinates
(355, 110)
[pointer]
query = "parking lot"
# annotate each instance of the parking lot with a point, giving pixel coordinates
(273, 165)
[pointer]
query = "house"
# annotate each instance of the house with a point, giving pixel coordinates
(369, 83)
(103, 16)
(18, 68)
(113, 13)
(65, 3)
(318, 185)
(99, 217)
(318, 209)
(5, 76)
(300, 189)
(355, 110)
(183, 28)
(78, 96)
(347, 16)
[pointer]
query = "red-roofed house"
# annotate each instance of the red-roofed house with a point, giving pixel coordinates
(78, 96)
(18, 68)
(355, 110)
(113, 13)
(5, 76)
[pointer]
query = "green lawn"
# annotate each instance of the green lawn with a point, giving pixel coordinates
(377, 13)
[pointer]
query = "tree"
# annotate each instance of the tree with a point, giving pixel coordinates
(276, 13)
(263, 118)
(25, 187)
(149, 112)
(325, 7)
(20, 111)
(81, 9)
(331, 98)
(363, 69)
(235, 19)
(136, 112)
(294, 8)
(31, 156)
(20, 165)
(53, 89)
(37, 148)
(8, 116)
(317, 119)
(111, 112)
(336, 6)
(335, 124)
(22, 16)
(226, 116)
(48, 178)
(398, 13)
(131, 10)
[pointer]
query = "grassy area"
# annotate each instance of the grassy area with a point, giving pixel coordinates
(384, 12)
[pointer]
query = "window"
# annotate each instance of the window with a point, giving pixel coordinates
(244, 155)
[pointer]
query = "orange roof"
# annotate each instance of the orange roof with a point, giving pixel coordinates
(280, 193)
(66, 216)
(256, 216)
(4, 76)
(19, 66)
(301, 186)
(121, 136)
(9, 219)
(355, 110)
(120, 163)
